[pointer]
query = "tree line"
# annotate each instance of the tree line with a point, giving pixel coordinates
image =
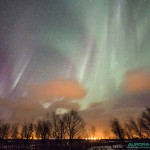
(63, 126)
(72, 126)
(139, 128)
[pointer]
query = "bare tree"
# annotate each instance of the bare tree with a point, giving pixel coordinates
(74, 124)
(14, 131)
(43, 129)
(117, 129)
(145, 122)
(59, 126)
(93, 130)
(136, 127)
(27, 130)
(62, 127)
(4, 130)
(106, 134)
(55, 125)
(128, 131)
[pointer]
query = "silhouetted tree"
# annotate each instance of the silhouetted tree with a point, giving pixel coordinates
(145, 122)
(62, 127)
(14, 131)
(93, 130)
(128, 131)
(55, 125)
(4, 130)
(74, 124)
(136, 127)
(117, 129)
(107, 134)
(59, 126)
(27, 130)
(43, 129)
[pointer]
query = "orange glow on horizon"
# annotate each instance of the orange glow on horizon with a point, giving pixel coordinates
(93, 138)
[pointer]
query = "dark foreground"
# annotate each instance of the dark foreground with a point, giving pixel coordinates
(74, 144)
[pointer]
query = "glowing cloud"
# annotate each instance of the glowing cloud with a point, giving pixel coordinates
(137, 81)
(58, 88)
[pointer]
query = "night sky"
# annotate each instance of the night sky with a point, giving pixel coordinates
(88, 55)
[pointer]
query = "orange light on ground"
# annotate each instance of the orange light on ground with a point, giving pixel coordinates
(93, 138)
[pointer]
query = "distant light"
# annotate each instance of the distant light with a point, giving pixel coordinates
(93, 138)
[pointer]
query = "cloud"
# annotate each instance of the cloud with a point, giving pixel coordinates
(28, 105)
(137, 81)
(58, 88)
(64, 104)
(23, 109)
(29, 108)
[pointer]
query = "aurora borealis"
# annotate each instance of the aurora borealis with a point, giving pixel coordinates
(90, 55)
